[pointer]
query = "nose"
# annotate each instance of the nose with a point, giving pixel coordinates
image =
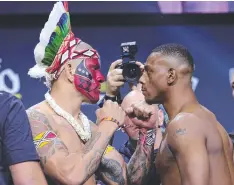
(100, 78)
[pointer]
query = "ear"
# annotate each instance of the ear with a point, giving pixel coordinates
(68, 72)
(160, 117)
(171, 78)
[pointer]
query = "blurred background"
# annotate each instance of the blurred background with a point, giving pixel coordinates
(205, 28)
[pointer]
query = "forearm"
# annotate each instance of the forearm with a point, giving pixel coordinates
(112, 171)
(93, 151)
(140, 163)
(31, 175)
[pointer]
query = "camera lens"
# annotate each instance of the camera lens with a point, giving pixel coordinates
(131, 72)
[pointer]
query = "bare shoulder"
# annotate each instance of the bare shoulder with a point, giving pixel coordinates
(40, 119)
(45, 135)
(36, 109)
(184, 123)
(184, 128)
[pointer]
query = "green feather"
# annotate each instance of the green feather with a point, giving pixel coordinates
(56, 39)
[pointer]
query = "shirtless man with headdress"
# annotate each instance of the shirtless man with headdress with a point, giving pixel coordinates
(71, 148)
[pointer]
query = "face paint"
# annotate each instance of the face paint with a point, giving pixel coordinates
(87, 78)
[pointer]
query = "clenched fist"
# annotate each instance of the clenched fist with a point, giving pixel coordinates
(145, 115)
(113, 110)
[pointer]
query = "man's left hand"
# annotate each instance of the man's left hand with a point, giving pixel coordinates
(143, 115)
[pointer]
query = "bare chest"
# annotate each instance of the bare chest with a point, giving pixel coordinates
(68, 135)
(166, 165)
(165, 158)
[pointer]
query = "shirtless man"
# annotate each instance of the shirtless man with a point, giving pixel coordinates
(195, 149)
(71, 148)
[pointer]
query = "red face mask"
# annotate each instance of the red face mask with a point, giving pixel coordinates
(87, 78)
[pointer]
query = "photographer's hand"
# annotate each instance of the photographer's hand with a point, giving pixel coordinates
(115, 79)
(140, 65)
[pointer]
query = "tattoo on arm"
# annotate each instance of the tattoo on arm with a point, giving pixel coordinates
(139, 165)
(89, 145)
(96, 157)
(111, 170)
(92, 166)
(181, 131)
(48, 146)
(45, 139)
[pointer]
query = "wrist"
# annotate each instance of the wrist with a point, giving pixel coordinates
(110, 123)
(147, 138)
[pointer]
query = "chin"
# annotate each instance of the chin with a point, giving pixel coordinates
(94, 101)
(91, 101)
(151, 101)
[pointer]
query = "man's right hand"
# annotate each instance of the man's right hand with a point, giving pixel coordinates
(115, 79)
(112, 110)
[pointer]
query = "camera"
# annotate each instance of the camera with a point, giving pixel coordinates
(131, 71)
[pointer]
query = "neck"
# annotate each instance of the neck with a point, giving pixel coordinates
(67, 100)
(179, 101)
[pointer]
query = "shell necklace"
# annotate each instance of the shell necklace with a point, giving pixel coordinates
(84, 134)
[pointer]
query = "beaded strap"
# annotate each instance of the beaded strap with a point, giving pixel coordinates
(148, 138)
(110, 119)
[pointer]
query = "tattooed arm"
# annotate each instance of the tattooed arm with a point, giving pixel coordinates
(112, 170)
(139, 165)
(61, 165)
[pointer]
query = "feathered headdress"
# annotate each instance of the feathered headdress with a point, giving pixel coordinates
(56, 45)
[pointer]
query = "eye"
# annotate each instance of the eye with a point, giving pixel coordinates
(95, 68)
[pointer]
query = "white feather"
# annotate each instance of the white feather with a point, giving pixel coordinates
(37, 71)
(50, 26)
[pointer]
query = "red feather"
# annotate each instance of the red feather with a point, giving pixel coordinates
(65, 4)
